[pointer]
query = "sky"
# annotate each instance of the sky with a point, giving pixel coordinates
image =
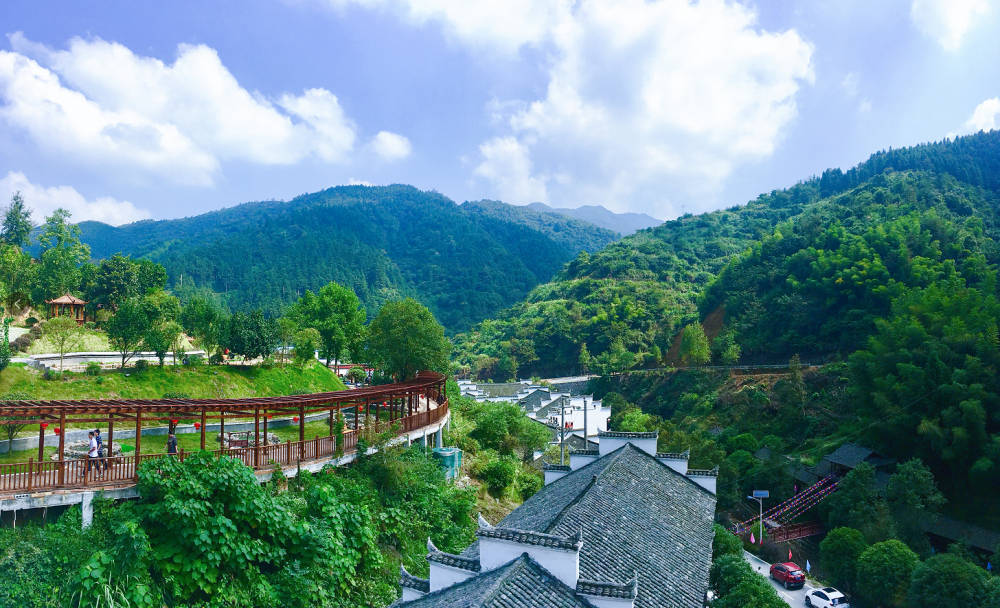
(126, 110)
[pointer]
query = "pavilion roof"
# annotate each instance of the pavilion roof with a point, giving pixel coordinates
(66, 298)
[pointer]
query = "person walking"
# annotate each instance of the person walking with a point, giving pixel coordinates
(91, 453)
(102, 464)
(172, 444)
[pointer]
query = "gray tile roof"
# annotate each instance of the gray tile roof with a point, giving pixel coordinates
(629, 435)
(521, 583)
(624, 591)
(849, 455)
(638, 517)
(526, 537)
(465, 562)
(408, 580)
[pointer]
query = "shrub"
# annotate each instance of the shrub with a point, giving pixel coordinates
(22, 343)
(894, 562)
(173, 395)
(141, 365)
(30, 322)
(498, 474)
(93, 369)
(725, 543)
(35, 331)
(528, 483)
(195, 360)
(215, 359)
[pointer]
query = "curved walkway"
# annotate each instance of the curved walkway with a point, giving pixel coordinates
(404, 407)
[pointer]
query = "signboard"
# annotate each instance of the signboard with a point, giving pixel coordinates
(761, 494)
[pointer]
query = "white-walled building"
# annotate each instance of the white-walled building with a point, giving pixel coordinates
(625, 529)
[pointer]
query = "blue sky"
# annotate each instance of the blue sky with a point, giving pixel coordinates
(124, 110)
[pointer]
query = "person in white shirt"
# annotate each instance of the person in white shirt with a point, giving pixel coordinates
(91, 453)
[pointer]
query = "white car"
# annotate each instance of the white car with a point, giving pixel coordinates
(827, 597)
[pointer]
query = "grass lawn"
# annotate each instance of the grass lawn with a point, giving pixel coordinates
(89, 340)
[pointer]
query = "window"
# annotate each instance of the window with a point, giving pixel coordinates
(821, 595)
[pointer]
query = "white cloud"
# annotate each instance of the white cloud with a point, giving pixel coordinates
(985, 117)
(645, 100)
(504, 26)
(507, 165)
(99, 102)
(358, 182)
(850, 84)
(44, 200)
(391, 146)
(947, 21)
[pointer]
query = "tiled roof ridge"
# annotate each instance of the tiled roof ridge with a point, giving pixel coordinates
(627, 590)
(555, 467)
(530, 537)
(450, 559)
(585, 452)
(413, 582)
(684, 454)
(629, 434)
(672, 472)
(713, 472)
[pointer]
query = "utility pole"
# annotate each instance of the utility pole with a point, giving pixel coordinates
(562, 433)
(759, 496)
(586, 429)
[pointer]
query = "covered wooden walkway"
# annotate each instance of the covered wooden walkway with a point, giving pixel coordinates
(406, 406)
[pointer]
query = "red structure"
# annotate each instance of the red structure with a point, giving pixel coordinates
(68, 305)
(403, 410)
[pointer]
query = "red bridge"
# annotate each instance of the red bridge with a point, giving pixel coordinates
(404, 407)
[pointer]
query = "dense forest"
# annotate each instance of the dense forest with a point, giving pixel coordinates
(465, 262)
(906, 218)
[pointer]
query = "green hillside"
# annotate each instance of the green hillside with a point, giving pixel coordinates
(914, 215)
(388, 242)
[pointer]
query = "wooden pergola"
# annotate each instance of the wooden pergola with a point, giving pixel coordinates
(68, 305)
(406, 406)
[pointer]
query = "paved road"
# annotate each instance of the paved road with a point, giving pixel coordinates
(793, 597)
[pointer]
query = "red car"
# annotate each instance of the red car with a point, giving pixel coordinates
(788, 574)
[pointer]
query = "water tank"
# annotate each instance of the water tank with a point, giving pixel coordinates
(450, 459)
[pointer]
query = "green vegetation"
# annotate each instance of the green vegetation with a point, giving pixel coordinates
(219, 381)
(735, 583)
(382, 243)
(405, 338)
(206, 533)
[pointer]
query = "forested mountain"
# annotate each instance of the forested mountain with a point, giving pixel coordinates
(622, 223)
(574, 234)
(888, 271)
(465, 262)
(904, 218)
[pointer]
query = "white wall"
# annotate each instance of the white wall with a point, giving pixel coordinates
(706, 481)
(564, 564)
(580, 460)
(445, 576)
(411, 594)
(608, 602)
(610, 444)
(552, 475)
(678, 464)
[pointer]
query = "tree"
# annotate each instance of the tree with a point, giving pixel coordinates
(64, 333)
(251, 335)
(356, 375)
(16, 425)
(306, 343)
(694, 348)
(405, 338)
(17, 278)
(888, 568)
(739, 586)
(948, 581)
(116, 280)
(856, 504)
(127, 328)
(201, 319)
(913, 499)
(286, 333)
(5, 345)
(61, 255)
(725, 543)
(336, 313)
(16, 229)
(585, 359)
(175, 333)
(839, 553)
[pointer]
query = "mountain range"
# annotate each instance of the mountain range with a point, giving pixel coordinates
(622, 223)
(466, 262)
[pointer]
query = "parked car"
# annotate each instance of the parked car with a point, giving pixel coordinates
(826, 598)
(788, 574)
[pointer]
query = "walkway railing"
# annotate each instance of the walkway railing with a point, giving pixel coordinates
(121, 470)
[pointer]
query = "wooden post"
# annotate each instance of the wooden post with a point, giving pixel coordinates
(357, 416)
(302, 431)
(138, 440)
(331, 423)
(62, 447)
(222, 429)
(204, 417)
(111, 436)
(256, 437)
(31, 470)
(265, 428)
(41, 442)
